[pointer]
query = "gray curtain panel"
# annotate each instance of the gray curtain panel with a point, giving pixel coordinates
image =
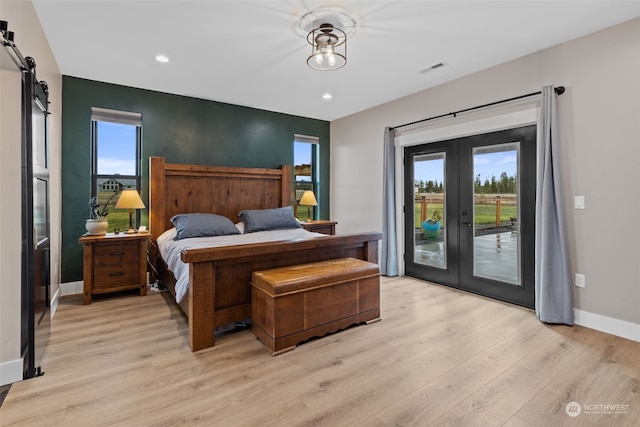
(554, 294)
(389, 256)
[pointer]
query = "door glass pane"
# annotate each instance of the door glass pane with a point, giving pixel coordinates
(429, 210)
(496, 241)
(40, 139)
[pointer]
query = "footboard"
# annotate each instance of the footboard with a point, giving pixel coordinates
(220, 290)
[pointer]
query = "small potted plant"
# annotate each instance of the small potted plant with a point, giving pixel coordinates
(431, 226)
(97, 223)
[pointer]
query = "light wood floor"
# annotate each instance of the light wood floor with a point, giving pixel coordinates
(438, 357)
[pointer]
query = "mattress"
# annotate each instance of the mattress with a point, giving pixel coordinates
(170, 249)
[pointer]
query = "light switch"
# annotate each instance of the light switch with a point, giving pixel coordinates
(578, 202)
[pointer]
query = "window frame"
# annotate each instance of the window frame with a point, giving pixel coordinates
(315, 171)
(123, 118)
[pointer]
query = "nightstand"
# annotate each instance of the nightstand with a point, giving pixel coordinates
(114, 262)
(321, 226)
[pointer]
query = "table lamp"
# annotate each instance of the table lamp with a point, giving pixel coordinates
(308, 199)
(130, 199)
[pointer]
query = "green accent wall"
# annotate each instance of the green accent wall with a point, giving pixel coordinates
(179, 128)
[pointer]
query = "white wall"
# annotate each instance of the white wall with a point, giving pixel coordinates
(31, 41)
(599, 151)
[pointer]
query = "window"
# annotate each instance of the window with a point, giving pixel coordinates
(116, 152)
(306, 173)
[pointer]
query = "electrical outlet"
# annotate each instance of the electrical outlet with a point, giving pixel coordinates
(580, 280)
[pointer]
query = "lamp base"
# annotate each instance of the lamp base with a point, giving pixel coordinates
(309, 219)
(131, 230)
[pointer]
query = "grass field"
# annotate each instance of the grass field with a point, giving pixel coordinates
(483, 215)
(117, 218)
(486, 214)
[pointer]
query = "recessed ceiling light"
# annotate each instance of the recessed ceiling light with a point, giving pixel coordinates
(326, 96)
(162, 58)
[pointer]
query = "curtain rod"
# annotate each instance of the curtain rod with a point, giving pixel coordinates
(559, 91)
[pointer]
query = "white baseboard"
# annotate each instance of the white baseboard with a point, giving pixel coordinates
(11, 372)
(601, 323)
(71, 288)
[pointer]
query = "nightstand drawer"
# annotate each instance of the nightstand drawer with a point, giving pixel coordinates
(114, 262)
(124, 253)
(109, 277)
(321, 226)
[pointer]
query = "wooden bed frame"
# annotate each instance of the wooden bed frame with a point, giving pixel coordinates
(219, 288)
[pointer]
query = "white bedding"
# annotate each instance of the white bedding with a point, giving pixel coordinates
(170, 249)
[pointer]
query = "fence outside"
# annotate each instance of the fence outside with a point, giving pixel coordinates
(504, 206)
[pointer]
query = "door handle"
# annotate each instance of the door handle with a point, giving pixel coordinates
(468, 224)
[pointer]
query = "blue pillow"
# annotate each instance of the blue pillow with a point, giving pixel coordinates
(268, 219)
(202, 225)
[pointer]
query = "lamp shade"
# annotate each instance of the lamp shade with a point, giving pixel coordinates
(130, 199)
(308, 199)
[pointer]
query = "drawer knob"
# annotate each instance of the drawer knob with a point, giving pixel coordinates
(117, 273)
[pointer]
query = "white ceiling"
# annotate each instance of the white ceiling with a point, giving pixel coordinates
(249, 52)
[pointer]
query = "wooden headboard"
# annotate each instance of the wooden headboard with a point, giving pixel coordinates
(179, 188)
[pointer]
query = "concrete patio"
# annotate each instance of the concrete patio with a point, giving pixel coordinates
(495, 255)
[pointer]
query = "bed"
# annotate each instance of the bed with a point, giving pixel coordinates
(219, 291)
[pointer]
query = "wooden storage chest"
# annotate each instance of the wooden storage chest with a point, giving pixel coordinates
(292, 304)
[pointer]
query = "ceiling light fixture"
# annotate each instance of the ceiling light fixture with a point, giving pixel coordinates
(162, 58)
(328, 47)
(327, 96)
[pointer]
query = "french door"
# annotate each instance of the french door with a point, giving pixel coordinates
(470, 213)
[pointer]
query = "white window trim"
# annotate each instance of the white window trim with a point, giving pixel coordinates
(116, 116)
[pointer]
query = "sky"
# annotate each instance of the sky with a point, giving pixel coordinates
(486, 164)
(117, 154)
(116, 149)
(302, 156)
